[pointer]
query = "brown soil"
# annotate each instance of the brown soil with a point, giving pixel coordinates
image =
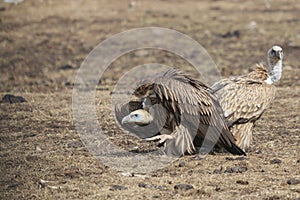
(38, 140)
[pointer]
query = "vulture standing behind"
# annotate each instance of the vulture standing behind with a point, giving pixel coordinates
(183, 111)
(245, 98)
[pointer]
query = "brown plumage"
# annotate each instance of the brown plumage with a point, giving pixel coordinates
(245, 98)
(184, 113)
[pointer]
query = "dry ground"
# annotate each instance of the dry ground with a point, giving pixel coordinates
(38, 140)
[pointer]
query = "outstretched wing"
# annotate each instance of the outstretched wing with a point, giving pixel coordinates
(190, 104)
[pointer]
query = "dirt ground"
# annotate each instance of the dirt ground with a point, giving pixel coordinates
(43, 44)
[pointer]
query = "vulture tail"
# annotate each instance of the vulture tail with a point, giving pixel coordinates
(235, 149)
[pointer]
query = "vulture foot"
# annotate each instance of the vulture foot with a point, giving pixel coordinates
(160, 138)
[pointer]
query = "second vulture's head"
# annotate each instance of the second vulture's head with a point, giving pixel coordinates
(139, 117)
(275, 53)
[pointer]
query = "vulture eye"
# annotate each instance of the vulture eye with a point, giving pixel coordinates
(135, 115)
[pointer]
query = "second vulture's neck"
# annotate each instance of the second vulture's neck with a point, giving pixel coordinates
(275, 70)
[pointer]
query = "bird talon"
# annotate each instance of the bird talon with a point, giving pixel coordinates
(160, 138)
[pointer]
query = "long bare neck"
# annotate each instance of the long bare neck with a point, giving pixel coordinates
(275, 70)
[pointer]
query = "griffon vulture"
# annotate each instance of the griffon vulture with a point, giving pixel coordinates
(245, 98)
(182, 112)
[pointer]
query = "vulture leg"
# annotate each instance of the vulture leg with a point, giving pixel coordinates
(243, 135)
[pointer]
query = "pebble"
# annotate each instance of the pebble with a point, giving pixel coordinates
(30, 134)
(183, 187)
(217, 171)
(9, 98)
(242, 182)
(160, 187)
(275, 161)
(181, 164)
(66, 67)
(118, 187)
(293, 181)
(237, 158)
(230, 34)
(236, 169)
(144, 185)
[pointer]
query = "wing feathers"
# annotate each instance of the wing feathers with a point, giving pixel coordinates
(188, 103)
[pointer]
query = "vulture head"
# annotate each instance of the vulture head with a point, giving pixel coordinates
(275, 57)
(275, 53)
(139, 117)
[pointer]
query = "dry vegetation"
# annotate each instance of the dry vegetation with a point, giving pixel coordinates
(40, 151)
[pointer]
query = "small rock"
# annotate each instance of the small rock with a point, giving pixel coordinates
(275, 161)
(13, 185)
(217, 171)
(242, 182)
(30, 134)
(144, 185)
(68, 83)
(9, 98)
(236, 169)
(293, 181)
(237, 158)
(161, 187)
(181, 164)
(183, 187)
(230, 34)
(118, 187)
(229, 158)
(66, 67)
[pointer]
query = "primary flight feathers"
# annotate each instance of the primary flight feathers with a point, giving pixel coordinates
(182, 110)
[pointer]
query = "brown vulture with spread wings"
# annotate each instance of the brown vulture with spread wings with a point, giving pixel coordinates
(245, 98)
(180, 112)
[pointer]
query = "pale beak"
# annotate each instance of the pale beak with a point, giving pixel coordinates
(280, 55)
(126, 119)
